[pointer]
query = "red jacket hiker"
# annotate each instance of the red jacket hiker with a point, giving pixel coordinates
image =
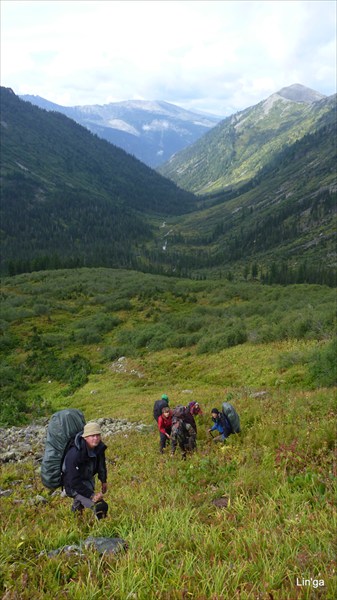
(165, 423)
(164, 426)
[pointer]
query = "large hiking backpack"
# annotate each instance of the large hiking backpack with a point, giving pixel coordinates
(178, 431)
(230, 413)
(158, 406)
(178, 428)
(62, 428)
(179, 413)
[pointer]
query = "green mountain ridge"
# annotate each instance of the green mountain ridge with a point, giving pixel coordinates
(285, 214)
(71, 199)
(240, 146)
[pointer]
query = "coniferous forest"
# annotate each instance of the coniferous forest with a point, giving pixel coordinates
(70, 199)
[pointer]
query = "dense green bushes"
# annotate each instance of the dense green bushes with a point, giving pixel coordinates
(323, 365)
(321, 362)
(62, 325)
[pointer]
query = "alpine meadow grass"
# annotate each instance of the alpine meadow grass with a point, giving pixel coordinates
(252, 519)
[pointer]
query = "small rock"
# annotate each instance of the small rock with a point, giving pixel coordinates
(222, 502)
(105, 545)
(38, 500)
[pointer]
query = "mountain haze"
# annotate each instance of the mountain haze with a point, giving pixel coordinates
(151, 131)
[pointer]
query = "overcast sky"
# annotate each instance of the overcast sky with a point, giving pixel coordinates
(214, 56)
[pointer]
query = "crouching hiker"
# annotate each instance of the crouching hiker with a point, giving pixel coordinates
(85, 459)
(191, 411)
(221, 424)
(183, 433)
(164, 426)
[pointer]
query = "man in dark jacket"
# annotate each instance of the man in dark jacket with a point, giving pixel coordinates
(84, 460)
(221, 424)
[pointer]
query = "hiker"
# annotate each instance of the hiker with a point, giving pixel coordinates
(159, 405)
(85, 459)
(221, 424)
(192, 410)
(184, 428)
(164, 426)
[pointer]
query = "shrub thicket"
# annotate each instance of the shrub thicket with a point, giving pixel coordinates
(62, 325)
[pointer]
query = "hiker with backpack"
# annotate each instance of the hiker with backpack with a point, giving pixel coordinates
(159, 405)
(221, 424)
(164, 426)
(192, 410)
(226, 422)
(83, 460)
(184, 428)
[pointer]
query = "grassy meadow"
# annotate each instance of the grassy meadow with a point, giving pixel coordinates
(269, 349)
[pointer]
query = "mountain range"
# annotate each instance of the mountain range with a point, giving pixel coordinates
(241, 145)
(72, 199)
(150, 131)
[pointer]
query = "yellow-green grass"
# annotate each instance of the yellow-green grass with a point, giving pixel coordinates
(185, 376)
(277, 476)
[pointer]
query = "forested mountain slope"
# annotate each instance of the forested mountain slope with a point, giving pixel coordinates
(280, 225)
(150, 131)
(238, 148)
(70, 197)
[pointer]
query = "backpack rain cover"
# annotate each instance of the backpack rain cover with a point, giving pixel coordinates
(229, 411)
(62, 427)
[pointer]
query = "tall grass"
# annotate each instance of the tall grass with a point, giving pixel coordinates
(278, 524)
(277, 478)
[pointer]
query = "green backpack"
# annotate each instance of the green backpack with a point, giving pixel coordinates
(62, 428)
(229, 411)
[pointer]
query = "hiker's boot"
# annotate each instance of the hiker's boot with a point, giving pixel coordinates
(100, 509)
(78, 511)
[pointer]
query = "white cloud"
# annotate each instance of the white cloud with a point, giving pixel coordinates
(216, 56)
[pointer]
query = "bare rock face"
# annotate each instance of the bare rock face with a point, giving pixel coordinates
(300, 93)
(19, 444)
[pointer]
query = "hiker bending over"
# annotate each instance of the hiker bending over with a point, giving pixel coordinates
(184, 428)
(164, 426)
(85, 459)
(192, 410)
(221, 424)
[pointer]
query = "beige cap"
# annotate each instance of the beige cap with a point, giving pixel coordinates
(91, 428)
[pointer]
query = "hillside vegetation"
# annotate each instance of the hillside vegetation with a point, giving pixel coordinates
(270, 350)
(70, 198)
(150, 131)
(64, 326)
(240, 146)
(281, 225)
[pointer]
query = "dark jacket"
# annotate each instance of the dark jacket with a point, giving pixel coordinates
(157, 408)
(189, 418)
(222, 424)
(80, 465)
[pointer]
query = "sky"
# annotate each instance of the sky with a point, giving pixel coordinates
(216, 57)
